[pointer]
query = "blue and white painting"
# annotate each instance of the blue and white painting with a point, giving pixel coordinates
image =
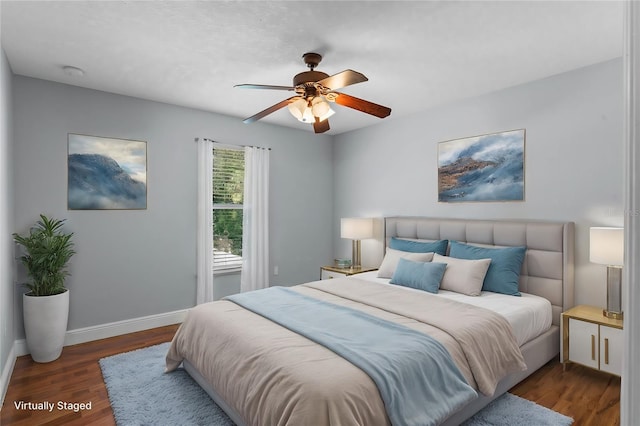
(482, 168)
(106, 173)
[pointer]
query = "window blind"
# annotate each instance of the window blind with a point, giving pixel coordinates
(228, 193)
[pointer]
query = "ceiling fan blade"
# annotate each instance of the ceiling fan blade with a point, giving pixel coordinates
(269, 110)
(263, 86)
(343, 79)
(362, 105)
(321, 126)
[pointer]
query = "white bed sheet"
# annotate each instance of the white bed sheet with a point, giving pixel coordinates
(529, 315)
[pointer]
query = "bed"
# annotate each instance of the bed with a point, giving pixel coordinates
(272, 375)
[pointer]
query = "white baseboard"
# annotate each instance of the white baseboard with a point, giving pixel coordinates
(6, 373)
(103, 331)
(88, 334)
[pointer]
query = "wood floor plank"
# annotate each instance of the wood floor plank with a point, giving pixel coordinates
(74, 377)
(591, 397)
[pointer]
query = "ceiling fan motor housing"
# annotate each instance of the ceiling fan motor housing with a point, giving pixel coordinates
(309, 77)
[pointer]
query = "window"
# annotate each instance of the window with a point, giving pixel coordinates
(228, 194)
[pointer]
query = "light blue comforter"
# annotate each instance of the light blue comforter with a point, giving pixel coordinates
(418, 381)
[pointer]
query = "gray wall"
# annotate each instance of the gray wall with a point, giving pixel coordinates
(132, 264)
(137, 263)
(573, 161)
(7, 289)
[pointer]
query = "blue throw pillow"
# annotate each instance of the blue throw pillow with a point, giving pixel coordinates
(439, 246)
(503, 275)
(421, 275)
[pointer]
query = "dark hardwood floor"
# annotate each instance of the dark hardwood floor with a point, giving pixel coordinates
(592, 398)
(74, 377)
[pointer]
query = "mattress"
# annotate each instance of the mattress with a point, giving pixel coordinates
(529, 315)
(268, 374)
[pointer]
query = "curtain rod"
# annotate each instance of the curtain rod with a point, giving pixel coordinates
(230, 145)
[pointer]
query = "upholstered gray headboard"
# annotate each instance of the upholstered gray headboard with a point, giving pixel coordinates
(547, 270)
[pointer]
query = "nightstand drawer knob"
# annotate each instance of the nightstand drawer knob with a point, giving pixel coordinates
(606, 351)
(593, 347)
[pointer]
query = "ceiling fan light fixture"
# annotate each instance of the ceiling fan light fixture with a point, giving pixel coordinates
(73, 71)
(297, 108)
(326, 115)
(301, 110)
(319, 106)
(304, 113)
(307, 116)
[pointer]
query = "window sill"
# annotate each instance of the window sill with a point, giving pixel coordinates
(228, 271)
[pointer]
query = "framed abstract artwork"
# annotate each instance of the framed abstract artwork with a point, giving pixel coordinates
(482, 168)
(106, 173)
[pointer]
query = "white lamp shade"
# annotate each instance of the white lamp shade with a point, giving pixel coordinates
(301, 110)
(326, 115)
(356, 228)
(297, 108)
(319, 106)
(606, 246)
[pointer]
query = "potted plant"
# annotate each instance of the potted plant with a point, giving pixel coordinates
(47, 250)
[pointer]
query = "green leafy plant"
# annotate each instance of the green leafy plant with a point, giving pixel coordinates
(47, 252)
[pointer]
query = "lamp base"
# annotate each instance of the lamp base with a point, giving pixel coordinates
(355, 254)
(612, 314)
(614, 293)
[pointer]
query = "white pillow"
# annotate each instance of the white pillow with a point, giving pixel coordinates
(391, 258)
(462, 275)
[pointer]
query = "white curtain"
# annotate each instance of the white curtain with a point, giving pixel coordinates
(255, 222)
(204, 226)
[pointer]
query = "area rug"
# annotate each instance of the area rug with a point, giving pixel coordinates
(142, 394)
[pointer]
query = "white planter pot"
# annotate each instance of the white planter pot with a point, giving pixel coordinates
(45, 325)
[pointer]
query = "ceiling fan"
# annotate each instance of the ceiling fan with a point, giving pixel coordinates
(314, 90)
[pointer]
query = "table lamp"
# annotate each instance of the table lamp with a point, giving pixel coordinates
(607, 248)
(356, 229)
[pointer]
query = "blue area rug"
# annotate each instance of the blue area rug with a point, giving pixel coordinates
(142, 394)
(512, 410)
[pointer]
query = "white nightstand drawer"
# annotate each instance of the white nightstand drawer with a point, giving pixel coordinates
(583, 343)
(611, 350)
(326, 275)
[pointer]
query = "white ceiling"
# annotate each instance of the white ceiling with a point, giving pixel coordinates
(415, 54)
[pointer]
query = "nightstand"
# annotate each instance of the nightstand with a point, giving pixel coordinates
(591, 339)
(327, 272)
